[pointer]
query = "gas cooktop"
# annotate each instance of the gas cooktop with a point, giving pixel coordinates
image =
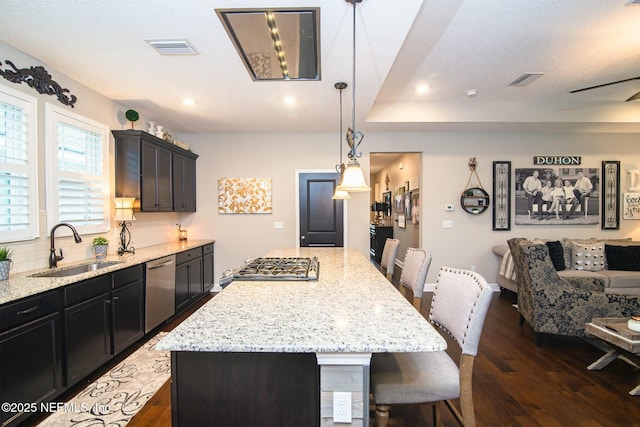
(275, 269)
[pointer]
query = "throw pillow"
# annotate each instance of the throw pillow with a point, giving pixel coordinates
(557, 255)
(625, 258)
(588, 256)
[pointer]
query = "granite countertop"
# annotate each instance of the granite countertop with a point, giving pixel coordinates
(20, 285)
(351, 308)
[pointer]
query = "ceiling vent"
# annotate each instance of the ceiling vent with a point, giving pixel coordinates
(525, 79)
(172, 46)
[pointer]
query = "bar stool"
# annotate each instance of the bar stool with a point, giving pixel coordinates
(414, 275)
(388, 260)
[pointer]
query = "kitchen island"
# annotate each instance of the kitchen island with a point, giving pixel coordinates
(273, 353)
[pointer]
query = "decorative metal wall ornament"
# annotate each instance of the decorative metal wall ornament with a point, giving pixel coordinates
(39, 79)
(502, 195)
(610, 195)
(474, 199)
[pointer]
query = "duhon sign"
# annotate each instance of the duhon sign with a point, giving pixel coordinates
(557, 160)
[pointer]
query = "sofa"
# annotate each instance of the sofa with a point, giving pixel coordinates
(608, 265)
(562, 305)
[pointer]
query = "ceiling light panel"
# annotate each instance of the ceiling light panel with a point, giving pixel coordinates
(172, 46)
(276, 44)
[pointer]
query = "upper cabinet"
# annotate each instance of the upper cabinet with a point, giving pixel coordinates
(160, 174)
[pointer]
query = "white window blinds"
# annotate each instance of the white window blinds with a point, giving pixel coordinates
(77, 171)
(18, 166)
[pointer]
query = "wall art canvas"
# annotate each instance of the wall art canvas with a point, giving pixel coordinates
(415, 207)
(557, 196)
(244, 195)
(631, 205)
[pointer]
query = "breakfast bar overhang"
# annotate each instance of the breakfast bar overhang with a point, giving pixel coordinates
(273, 353)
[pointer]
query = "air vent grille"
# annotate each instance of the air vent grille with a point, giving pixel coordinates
(525, 79)
(172, 47)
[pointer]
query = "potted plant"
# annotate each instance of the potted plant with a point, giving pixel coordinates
(5, 262)
(100, 245)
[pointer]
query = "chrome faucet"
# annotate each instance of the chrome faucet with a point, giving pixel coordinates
(53, 258)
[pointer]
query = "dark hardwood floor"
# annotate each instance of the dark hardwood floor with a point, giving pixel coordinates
(516, 383)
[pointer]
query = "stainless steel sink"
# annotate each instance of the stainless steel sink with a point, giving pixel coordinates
(78, 269)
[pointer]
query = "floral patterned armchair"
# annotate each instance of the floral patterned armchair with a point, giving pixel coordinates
(553, 305)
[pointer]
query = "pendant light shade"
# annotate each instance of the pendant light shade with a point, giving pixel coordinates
(353, 179)
(340, 195)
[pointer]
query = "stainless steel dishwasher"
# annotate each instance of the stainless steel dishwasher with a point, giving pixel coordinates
(161, 291)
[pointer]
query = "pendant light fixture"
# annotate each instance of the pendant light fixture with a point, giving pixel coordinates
(353, 178)
(340, 194)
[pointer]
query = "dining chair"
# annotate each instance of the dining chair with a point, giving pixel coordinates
(459, 306)
(414, 275)
(389, 253)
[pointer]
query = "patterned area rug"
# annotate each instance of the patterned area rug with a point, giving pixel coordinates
(119, 394)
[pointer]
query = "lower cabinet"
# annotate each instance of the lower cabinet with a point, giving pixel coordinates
(87, 326)
(103, 316)
(189, 282)
(208, 276)
(128, 307)
(30, 355)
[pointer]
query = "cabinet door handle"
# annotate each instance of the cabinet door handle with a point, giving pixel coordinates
(116, 298)
(164, 264)
(108, 301)
(28, 310)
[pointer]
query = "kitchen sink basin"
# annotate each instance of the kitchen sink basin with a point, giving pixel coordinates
(78, 269)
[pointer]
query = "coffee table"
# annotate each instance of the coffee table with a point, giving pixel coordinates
(622, 340)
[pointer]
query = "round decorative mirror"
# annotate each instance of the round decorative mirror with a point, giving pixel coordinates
(474, 200)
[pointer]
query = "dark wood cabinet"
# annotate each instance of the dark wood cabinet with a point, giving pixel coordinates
(379, 236)
(208, 275)
(103, 316)
(128, 307)
(160, 174)
(156, 189)
(189, 278)
(30, 353)
(87, 329)
(184, 184)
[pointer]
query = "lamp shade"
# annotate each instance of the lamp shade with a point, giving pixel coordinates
(353, 179)
(124, 209)
(340, 195)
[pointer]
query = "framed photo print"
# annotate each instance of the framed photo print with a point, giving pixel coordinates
(402, 221)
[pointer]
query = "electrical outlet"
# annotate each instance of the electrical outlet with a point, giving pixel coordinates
(447, 224)
(341, 407)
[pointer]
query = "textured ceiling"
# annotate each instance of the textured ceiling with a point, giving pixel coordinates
(450, 45)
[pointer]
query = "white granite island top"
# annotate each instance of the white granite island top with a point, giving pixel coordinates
(21, 285)
(352, 308)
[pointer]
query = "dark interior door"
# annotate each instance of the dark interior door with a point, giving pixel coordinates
(321, 217)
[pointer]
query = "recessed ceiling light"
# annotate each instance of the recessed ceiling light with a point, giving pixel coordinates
(289, 100)
(422, 89)
(188, 101)
(471, 93)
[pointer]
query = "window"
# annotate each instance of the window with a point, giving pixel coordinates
(77, 171)
(18, 166)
